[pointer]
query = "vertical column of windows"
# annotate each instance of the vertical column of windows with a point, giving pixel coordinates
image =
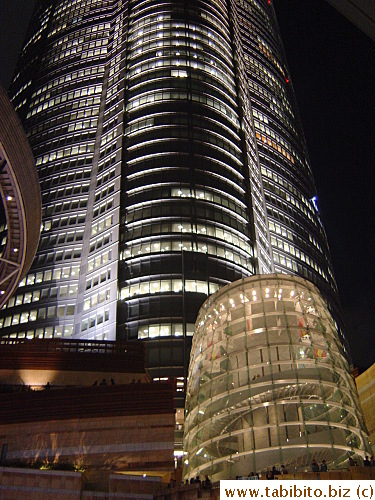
(260, 228)
(182, 125)
(28, 61)
(100, 296)
(61, 123)
(281, 149)
(182, 61)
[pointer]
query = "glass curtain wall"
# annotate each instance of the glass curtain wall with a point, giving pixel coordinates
(185, 192)
(269, 383)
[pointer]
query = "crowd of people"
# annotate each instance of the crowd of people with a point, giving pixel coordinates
(369, 462)
(271, 473)
(205, 484)
(315, 466)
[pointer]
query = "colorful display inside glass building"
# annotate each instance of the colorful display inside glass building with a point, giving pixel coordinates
(269, 383)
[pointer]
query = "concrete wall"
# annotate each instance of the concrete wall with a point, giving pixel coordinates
(16, 483)
(115, 442)
(36, 484)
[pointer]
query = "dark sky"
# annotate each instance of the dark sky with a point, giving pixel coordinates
(332, 66)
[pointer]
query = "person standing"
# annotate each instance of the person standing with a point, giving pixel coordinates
(284, 470)
(269, 474)
(314, 466)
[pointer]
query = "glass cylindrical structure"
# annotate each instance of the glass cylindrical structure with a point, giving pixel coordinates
(269, 383)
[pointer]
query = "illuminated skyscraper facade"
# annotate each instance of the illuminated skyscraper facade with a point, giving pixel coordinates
(171, 161)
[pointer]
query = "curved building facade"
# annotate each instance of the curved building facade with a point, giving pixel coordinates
(269, 383)
(20, 196)
(171, 161)
(184, 219)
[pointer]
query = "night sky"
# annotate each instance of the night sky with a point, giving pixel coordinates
(332, 67)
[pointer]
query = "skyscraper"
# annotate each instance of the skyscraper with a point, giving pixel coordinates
(172, 162)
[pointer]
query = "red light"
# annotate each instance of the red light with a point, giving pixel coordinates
(287, 80)
(269, 2)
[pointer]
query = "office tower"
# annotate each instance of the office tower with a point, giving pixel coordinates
(171, 161)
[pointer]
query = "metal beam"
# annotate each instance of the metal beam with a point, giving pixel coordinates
(360, 12)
